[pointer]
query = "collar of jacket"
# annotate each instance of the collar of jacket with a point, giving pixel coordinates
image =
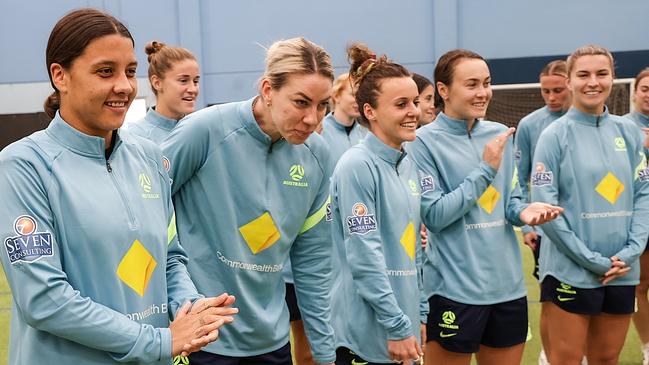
(389, 154)
(77, 141)
(644, 119)
(250, 123)
(334, 121)
(455, 126)
(594, 120)
(160, 120)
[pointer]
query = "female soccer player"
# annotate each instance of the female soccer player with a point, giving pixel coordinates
(591, 163)
(378, 303)
(251, 185)
(426, 99)
(641, 117)
(91, 252)
(470, 199)
(557, 100)
(340, 127)
(174, 76)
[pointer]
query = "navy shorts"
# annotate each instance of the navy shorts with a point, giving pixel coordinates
(281, 356)
(291, 302)
(606, 299)
(536, 252)
(462, 328)
(345, 356)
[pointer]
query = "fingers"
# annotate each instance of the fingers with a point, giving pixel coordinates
(182, 312)
(205, 303)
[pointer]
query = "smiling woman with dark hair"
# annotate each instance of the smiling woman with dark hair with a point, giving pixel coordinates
(92, 255)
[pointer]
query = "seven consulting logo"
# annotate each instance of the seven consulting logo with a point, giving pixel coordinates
(29, 245)
(542, 177)
(296, 172)
(448, 318)
(427, 183)
(360, 222)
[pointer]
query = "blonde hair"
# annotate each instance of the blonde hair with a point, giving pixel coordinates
(162, 58)
(589, 50)
(340, 84)
(555, 68)
(295, 56)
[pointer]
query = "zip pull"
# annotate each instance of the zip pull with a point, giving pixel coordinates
(108, 167)
(597, 122)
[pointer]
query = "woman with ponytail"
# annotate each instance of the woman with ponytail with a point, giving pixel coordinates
(375, 211)
(174, 77)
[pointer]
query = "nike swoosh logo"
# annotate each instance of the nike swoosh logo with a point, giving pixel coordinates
(563, 299)
(445, 335)
(354, 362)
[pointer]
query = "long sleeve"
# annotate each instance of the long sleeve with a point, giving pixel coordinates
(440, 208)
(364, 252)
(41, 292)
(545, 188)
(640, 219)
(187, 147)
(311, 264)
(524, 165)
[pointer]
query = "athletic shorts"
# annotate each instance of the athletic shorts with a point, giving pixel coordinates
(281, 356)
(606, 299)
(291, 302)
(462, 328)
(345, 356)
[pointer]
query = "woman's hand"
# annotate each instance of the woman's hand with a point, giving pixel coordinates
(530, 239)
(493, 150)
(617, 270)
(539, 213)
(404, 350)
(193, 329)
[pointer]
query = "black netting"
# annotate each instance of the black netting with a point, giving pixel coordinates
(510, 105)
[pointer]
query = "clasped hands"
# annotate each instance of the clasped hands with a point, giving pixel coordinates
(197, 325)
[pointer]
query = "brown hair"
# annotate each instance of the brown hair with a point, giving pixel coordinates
(367, 72)
(555, 68)
(421, 81)
(644, 73)
(162, 58)
(589, 50)
(70, 37)
(295, 56)
(444, 70)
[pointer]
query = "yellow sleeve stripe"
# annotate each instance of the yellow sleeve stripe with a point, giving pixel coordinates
(515, 178)
(316, 217)
(171, 230)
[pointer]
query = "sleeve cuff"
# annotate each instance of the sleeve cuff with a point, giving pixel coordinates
(527, 229)
(491, 172)
(402, 331)
(165, 344)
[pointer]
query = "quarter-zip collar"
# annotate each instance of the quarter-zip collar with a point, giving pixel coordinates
(555, 115)
(338, 125)
(160, 120)
(643, 119)
(455, 126)
(79, 142)
(385, 152)
(250, 123)
(594, 120)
